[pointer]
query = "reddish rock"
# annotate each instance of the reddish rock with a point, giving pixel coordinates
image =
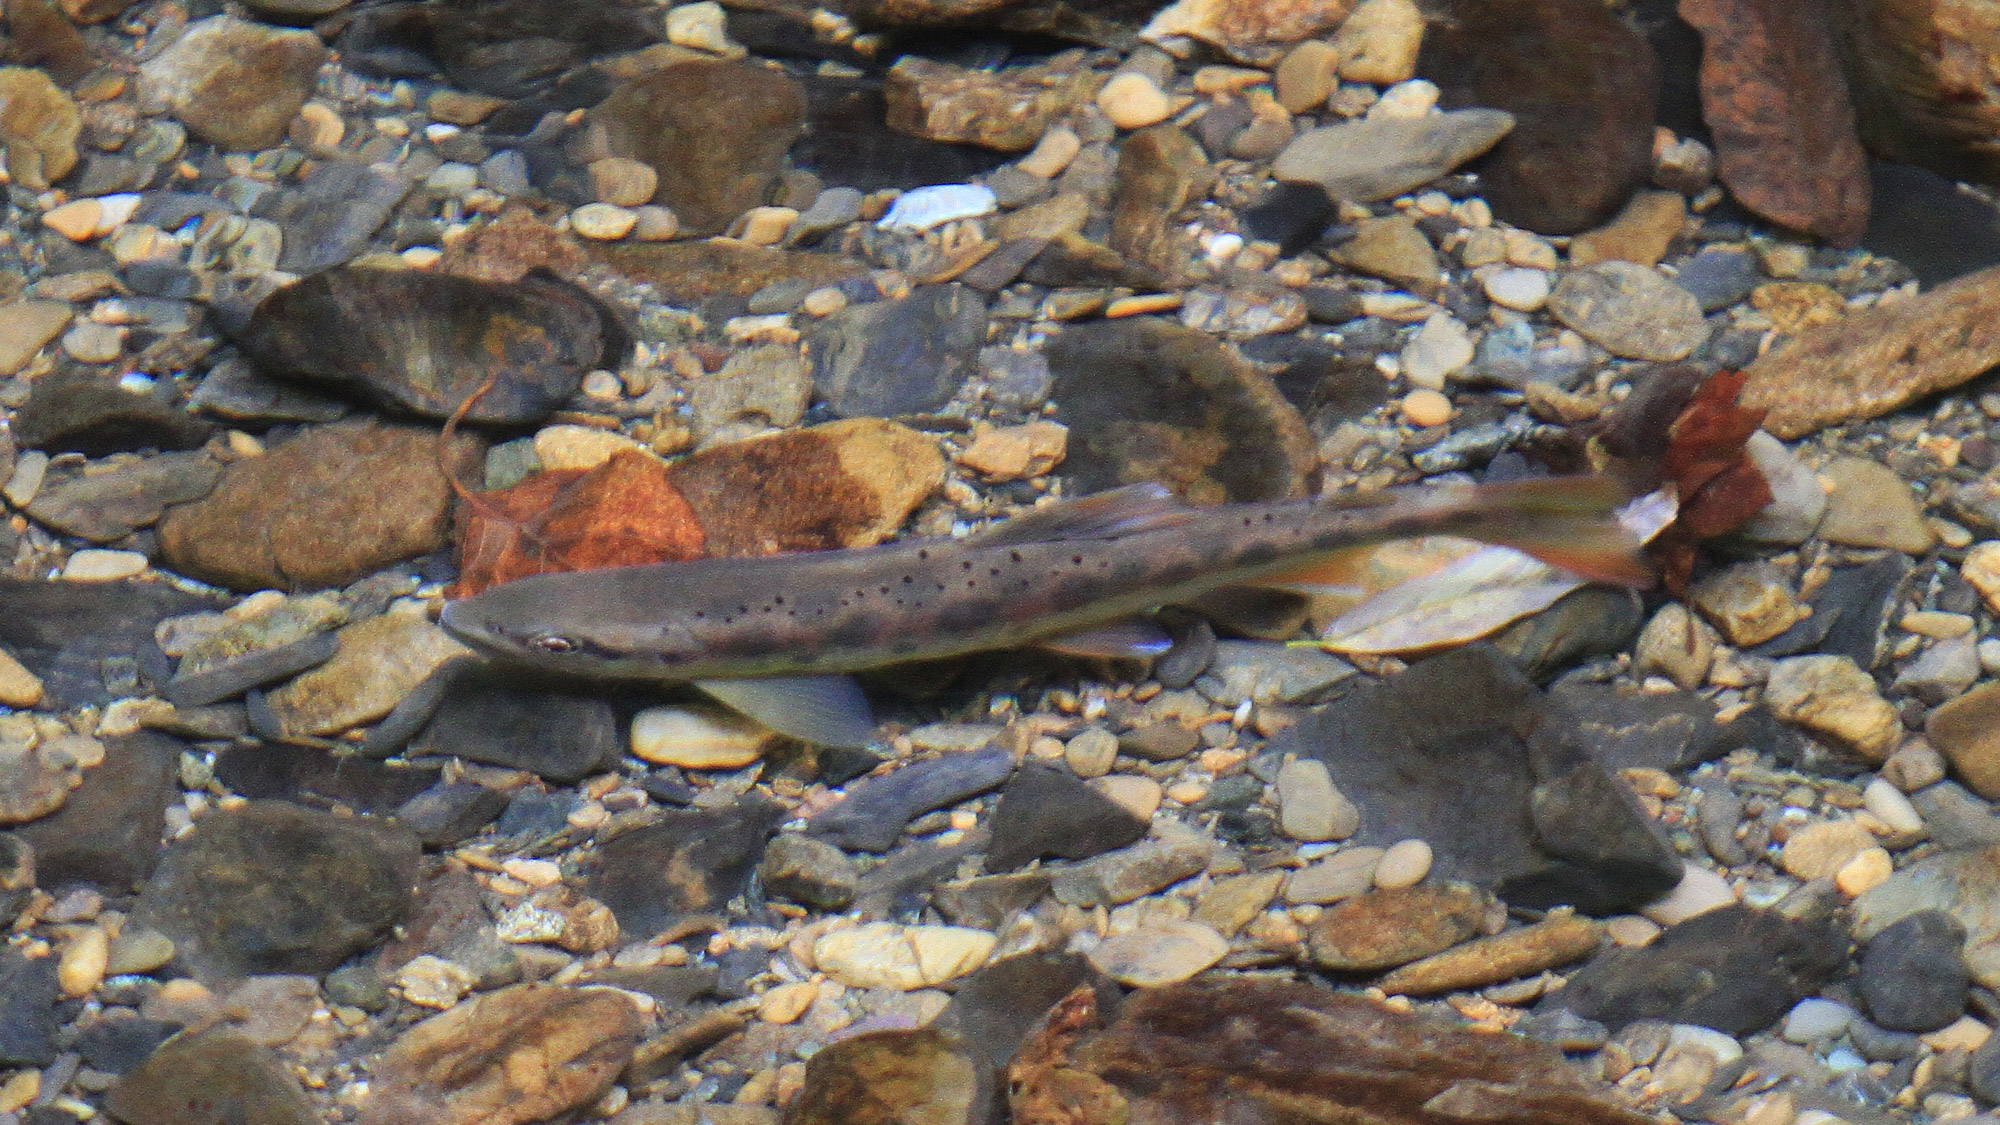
(1925, 77)
(1007, 110)
(1785, 139)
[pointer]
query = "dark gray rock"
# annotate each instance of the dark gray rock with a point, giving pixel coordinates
(17, 875)
(450, 921)
(1912, 205)
(84, 412)
(1045, 811)
(809, 872)
(215, 1075)
(311, 776)
(271, 887)
(995, 1007)
(1736, 969)
(109, 505)
(687, 863)
(115, 1046)
(1627, 729)
(908, 356)
(561, 737)
(1461, 750)
(333, 212)
(28, 1019)
(1913, 975)
(90, 642)
(1982, 1070)
(872, 816)
(449, 812)
(239, 674)
(1719, 276)
(108, 831)
(1591, 622)
(233, 389)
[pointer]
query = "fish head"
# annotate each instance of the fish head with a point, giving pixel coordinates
(521, 623)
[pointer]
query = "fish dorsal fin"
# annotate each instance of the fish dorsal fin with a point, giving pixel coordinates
(1119, 640)
(824, 710)
(1101, 515)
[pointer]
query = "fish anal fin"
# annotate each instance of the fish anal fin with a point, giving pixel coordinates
(1102, 515)
(823, 710)
(1566, 522)
(1119, 640)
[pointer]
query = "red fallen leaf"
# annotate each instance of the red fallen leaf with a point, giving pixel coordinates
(624, 512)
(1720, 489)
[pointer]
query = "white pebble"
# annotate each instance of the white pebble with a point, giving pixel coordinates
(98, 565)
(1132, 101)
(1425, 407)
(1889, 806)
(1403, 864)
(1415, 98)
(701, 738)
(1699, 891)
(1815, 1019)
(921, 209)
(602, 221)
(1518, 288)
(1437, 349)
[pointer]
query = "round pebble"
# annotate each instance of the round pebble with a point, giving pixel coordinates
(90, 342)
(1425, 407)
(1888, 804)
(1140, 796)
(1132, 101)
(1814, 1020)
(824, 301)
(1403, 864)
(452, 179)
(696, 738)
(318, 125)
(1517, 287)
(97, 564)
(1091, 752)
(622, 181)
(1052, 153)
(655, 223)
(602, 221)
(766, 226)
(1866, 871)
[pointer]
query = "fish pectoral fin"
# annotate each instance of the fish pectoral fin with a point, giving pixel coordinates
(1120, 640)
(824, 710)
(1102, 515)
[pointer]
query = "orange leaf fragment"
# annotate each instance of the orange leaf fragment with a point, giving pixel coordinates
(624, 512)
(1719, 487)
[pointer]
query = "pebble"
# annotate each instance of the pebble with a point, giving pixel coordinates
(1133, 101)
(1819, 850)
(1310, 808)
(100, 565)
(1868, 505)
(1403, 864)
(83, 962)
(1866, 871)
(1344, 874)
(1887, 804)
(1052, 153)
(1140, 796)
(1830, 695)
(19, 688)
(81, 220)
(1378, 42)
(1816, 1020)
(1159, 952)
(603, 221)
(1516, 287)
(1629, 311)
(1424, 407)
(1557, 940)
(1441, 347)
(902, 958)
(927, 208)
(1091, 752)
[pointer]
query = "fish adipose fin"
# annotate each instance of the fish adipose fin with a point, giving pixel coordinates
(824, 710)
(1102, 515)
(1567, 522)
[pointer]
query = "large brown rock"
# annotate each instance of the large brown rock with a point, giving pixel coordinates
(323, 509)
(233, 83)
(1925, 76)
(1582, 86)
(1785, 140)
(1875, 360)
(1264, 1050)
(714, 131)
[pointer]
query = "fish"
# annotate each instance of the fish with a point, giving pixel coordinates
(778, 637)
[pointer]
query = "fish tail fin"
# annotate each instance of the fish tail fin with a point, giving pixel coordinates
(1567, 522)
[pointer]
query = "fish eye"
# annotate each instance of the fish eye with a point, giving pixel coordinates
(552, 643)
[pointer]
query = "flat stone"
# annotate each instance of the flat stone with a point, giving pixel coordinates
(107, 832)
(1876, 360)
(29, 1021)
(1045, 812)
(1640, 233)
(379, 661)
(1133, 872)
(234, 83)
(273, 887)
(1382, 929)
(1832, 696)
(1160, 172)
(561, 736)
(1159, 952)
(1735, 969)
(211, 1075)
(26, 327)
(1557, 940)
(521, 1054)
(1379, 157)
(1392, 248)
(901, 958)
(1309, 806)
(904, 1074)
(1629, 311)
(908, 356)
(810, 872)
(1966, 730)
(1870, 506)
(1820, 850)
(872, 815)
(685, 863)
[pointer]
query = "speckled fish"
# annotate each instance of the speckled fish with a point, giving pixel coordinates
(774, 637)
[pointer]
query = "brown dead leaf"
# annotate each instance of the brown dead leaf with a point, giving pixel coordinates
(624, 512)
(1720, 489)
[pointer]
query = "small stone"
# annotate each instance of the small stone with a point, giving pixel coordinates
(1380, 157)
(1425, 407)
(82, 963)
(100, 565)
(1310, 808)
(699, 738)
(1438, 349)
(1159, 952)
(1887, 804)
(901, 958)
(1819, 850)
(1052, 153)
(808, 871)
(1518, 288)
(655, 223)
(1140, 796)
(19, 688)
(1551, 943)
(602, 221)
(27, 326)
(1307, 74)
(1629, 311)
(1091, 752)
(433, 982)
(1403, 864)
(1750, 603)
(1912, 976)
(1797, 500)
(1232, 903)
(1831, 695)
(1344, 874)
(379, 661)
(926, 208)
(1640, 233)
(702, 27)
(1866, 871)
(90, 342)
(1675, 644)
(1868, 505)
(1966, 730)
(1392, 248)
(1016, 452)
(1383, 929)
(1699, 891)
(1816, 1020)
(1132, 101)
(767, 226)
(1378, 42)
